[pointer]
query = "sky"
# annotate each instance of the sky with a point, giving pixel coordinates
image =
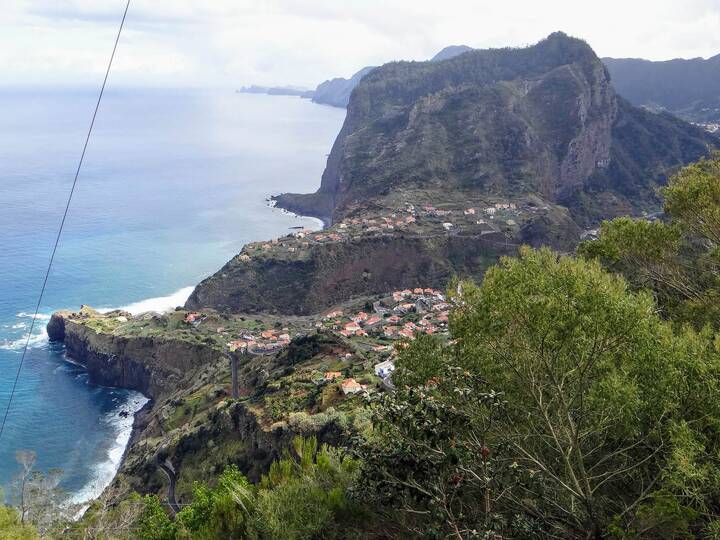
(230, 43)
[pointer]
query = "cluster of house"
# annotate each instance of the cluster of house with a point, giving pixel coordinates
(507, 210)
(260, 342)
(401, 218)
(389, 316)
(351, 386)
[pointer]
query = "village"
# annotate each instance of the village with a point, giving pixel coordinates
(504, 217)
(375, 331)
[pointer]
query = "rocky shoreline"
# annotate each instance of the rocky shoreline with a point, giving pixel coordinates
(189, 413)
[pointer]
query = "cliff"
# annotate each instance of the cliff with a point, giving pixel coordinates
(192, 424)
(336, 92)
(543, 119)
(384, 250)
(152, 365)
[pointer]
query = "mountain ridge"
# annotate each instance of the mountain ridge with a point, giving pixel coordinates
(543, 119)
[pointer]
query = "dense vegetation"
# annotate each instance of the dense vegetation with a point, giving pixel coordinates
(577, 398)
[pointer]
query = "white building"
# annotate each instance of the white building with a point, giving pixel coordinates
(383, 369)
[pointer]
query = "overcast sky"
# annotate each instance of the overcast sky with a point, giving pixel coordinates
(238, 42)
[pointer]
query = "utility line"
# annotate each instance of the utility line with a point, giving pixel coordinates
(62, 223)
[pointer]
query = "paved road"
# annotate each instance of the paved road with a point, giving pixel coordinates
(169, 471)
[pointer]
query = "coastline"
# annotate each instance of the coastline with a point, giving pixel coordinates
(143, 416)
(275, 202)
(140, 417)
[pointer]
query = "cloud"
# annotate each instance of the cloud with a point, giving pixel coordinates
(235, 42)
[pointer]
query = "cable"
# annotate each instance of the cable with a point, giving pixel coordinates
(62, 223)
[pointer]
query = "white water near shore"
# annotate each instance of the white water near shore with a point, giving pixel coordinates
(106, 470)
(161, 304)
(122, 426)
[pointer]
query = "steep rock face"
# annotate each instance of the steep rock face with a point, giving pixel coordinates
(150, 365)
(335, 272)
(544, 120)
(336, 92)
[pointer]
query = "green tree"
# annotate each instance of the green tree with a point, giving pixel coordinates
(220, 512)
(678, 260)
(304, 495)
(610, 411)
(432, 455)
(154, 523)
(12, 527)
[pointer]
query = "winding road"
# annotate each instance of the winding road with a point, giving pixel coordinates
(169, 471)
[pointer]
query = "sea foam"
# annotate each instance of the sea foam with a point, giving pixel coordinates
(160, 304)
(106, 470)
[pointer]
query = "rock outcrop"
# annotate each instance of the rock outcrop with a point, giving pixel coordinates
(152, 365)
(543, 119)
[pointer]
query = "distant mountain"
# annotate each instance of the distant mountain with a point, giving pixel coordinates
(689, 89)
(276, 90)
(543, 120)
(450, 52)
(336, 92)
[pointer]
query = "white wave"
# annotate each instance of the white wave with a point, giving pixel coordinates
(38, 339)
(106, 470)
(160, 304)
(39, 316)
(319, 224)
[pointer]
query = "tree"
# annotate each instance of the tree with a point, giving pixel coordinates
(220, 512)
(431, 455)
(154, 523)
(608, 409)
(304, 495)
(12, 527)
(38, 496)
(678, 260)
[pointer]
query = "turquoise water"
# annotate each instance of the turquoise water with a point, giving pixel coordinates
(174, 183)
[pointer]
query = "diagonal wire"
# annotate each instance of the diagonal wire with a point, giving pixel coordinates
(62, 223)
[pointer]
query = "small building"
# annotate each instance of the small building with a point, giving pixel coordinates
(470, 212)
(331, 375)
(490, 211)
(351, 386)
(351, 327)
(407, 333)
(383, 369)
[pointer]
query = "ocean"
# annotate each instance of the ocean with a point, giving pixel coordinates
(175, 181)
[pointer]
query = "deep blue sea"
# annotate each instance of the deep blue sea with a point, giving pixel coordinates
(174, 183)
